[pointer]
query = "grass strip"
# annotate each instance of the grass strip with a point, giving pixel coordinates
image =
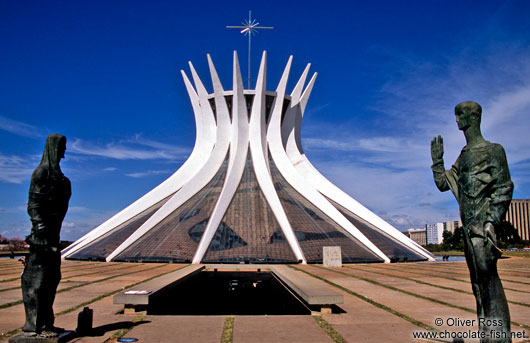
(228, 330)
(9, 289)
(523, 254)
(11, 333)
(122, 332)
(12, 279)
(13, 303)
(76, 307)
(335, 336)
(372, 302)
(429, 284)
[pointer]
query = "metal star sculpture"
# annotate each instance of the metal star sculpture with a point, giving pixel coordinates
(249, 28)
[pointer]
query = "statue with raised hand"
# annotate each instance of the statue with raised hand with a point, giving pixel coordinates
(480, 182)
(49, 194)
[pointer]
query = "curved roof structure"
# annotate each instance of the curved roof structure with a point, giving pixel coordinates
(247, 193)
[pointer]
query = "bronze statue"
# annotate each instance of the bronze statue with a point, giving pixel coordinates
(49, 194)
(480, 182)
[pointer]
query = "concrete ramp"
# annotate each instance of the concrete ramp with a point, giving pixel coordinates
(314, 292)
(138, 297)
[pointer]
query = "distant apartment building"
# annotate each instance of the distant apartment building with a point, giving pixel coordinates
(435, 233)
(452, 225)
(417, 235)
(519, 216)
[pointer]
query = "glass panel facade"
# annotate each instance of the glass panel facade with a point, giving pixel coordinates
(395, 250)
(103, 246)
(249, 231)
(176, 237)
(314, 229)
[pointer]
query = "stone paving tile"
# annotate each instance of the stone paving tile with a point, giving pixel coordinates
(360, 318)
(10, 284)
(11, 318)
(6, 277)
(374, 332)
(292, 329)
(186, 329)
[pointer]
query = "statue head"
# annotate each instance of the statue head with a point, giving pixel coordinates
(468, 113)
(53, 153)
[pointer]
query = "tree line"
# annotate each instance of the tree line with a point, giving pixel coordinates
(507, 237)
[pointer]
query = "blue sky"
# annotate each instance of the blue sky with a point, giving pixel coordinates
(106, 74)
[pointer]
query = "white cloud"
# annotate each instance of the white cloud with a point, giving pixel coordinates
(136, 149)
(19, 128)
(77, 209)
(506, 120)
(17, 169)
(149, 173)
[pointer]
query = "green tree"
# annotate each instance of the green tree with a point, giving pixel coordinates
(448, 240)
(507, 234)
(458, 239)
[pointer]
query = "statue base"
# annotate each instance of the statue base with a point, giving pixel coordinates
(62, 338)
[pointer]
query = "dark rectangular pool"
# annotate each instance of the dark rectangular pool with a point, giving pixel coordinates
(228, 292)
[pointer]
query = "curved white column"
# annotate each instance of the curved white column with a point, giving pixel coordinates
(291, 175)
(200, 179)
(204, 140)
(258, 148)
(238, 151)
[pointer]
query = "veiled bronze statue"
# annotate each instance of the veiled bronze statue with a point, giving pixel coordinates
(49, 194)
(480, 182)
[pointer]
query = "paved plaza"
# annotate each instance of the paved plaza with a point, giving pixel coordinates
(382, 303)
